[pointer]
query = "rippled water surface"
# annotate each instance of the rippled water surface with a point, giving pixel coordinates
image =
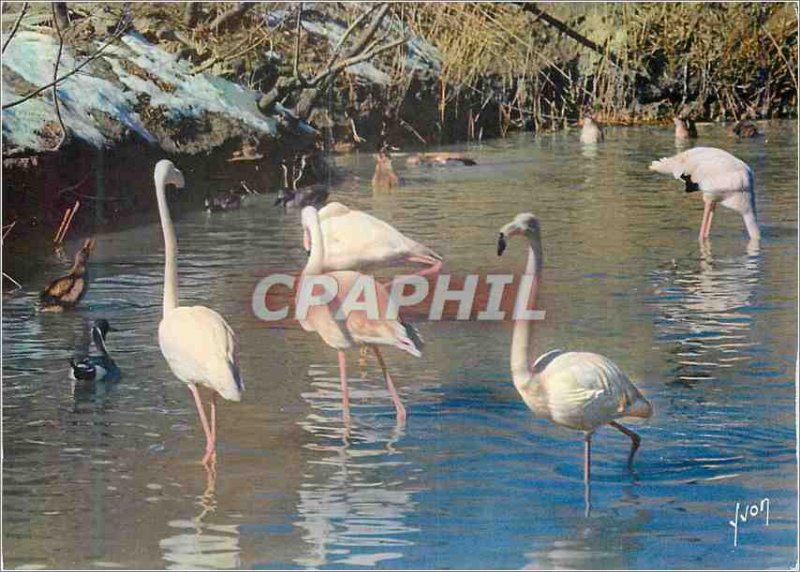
(112, 479)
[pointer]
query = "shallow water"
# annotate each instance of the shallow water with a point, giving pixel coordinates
(112, 479)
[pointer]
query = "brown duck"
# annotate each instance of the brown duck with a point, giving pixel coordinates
(745, 130)
(65, 292)
(384, 178)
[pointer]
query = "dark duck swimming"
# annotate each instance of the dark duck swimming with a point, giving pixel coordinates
(100, 366)
(65, 292)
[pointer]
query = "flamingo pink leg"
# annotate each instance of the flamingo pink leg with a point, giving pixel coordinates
(214, 417)
(710, 218)
(210, 444)
(398, 405)
(345, 390)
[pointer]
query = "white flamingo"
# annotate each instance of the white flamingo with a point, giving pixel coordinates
(355, 329)
(355, 240)
(199, 346)
(721, 177)
(578, 390)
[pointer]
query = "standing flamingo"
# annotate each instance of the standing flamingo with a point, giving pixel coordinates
(578, 390)
(199, 346)
(355, 240)
(721, 177)
(355, 329)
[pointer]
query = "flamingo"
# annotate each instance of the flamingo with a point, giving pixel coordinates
(684, 129)
(577, 390)
(199, 346)
(591, 132)
(355, 240)
(355, 329)
(721, 177)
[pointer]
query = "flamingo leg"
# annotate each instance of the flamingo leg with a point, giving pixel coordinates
(210, 444)
(214, 416)
(398, 405)
(635, 440)
(710, 218)
(345, 390)
(587, 472)
(706, 214)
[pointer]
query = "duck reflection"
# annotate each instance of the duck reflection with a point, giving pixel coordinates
(358, 488)
(703, 313)
(200, 544)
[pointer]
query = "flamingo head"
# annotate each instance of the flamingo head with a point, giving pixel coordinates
(167, 174)
(524, 224)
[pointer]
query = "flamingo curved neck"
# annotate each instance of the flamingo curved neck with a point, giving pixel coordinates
(170, 250)
(523, 329)
(752, 226)
(317, 256)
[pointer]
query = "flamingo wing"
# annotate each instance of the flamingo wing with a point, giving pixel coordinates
(200, 347)
(712, 170)
(357, 327)
(585, 390)
(357, 240)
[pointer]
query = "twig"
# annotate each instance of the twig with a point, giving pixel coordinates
(14, 29)
(413, 131)
(296, 61)
(296, 179)
(8, 228)
(354, 60)
(17, 284)
(117, 33)
(248, 189)
(65, 223)
(55, 78)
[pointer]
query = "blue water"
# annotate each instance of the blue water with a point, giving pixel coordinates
(473, 480)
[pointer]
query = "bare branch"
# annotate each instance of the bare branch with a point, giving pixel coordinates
(355, 60)
(231, 17)
(15, 27)
(296, 64)
(57, 25)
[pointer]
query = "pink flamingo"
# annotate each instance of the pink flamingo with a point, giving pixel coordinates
(721, 177)
(355, 329)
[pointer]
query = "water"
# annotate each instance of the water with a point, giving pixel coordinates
(112, 479)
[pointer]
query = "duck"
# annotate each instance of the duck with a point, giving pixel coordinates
(65, 292)
(308, 196)
(591, 132)
(311, 196)
(685, 129)
(440, 159)
(96, 367)
(745, 130)
(384, 178)
(223, 201)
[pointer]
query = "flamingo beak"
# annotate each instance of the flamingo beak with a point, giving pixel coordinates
(306, 242)
(501, 244)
